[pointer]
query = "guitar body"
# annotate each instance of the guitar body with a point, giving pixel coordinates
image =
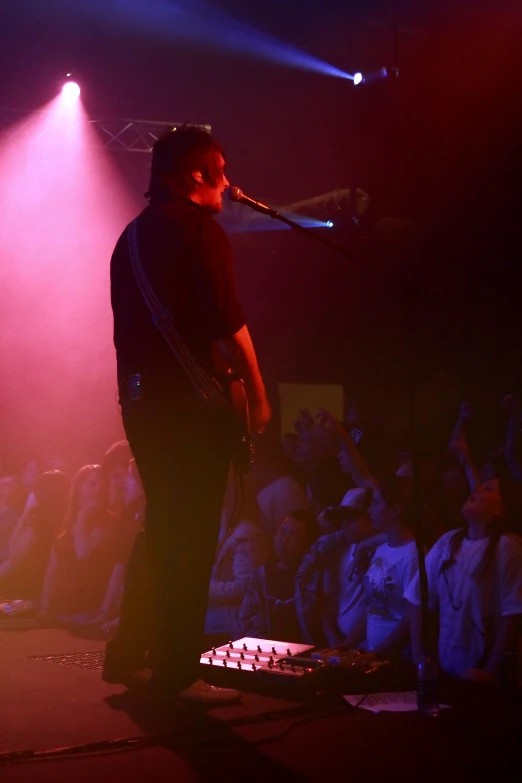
(239, 422)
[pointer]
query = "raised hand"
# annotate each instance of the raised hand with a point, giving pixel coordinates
(305, 421)
(329, 422)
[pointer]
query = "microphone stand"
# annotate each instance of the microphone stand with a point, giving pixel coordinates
(407, 293)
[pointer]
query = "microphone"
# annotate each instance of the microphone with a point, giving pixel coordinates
(236, 194)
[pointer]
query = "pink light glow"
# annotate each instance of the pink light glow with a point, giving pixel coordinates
(62, 207)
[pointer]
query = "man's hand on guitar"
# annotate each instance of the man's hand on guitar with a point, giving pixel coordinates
(260, 414)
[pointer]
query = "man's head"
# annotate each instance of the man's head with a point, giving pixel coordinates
(391, 503)
(188, 162)
(314, 446)
(485, 504)
(295, 536)
(352, 515)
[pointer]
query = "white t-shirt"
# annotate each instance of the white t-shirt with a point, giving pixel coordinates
(278, 499)
(351, 592)
(389, 574)
(469, 610)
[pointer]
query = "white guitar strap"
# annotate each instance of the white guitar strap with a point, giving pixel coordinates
(206, 387)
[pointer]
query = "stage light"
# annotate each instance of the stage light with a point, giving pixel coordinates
(329, 224)
(357, 78)
(71, 91)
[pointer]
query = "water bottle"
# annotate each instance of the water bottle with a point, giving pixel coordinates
(427, 686)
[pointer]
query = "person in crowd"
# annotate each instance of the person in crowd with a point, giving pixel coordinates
(268, 609)
(384, 627)
(325, 489)
(82, 557)
(475, 583)
(243, 548)
(271, 481)
(22, 574)
(129, 526)
(329, 594)
(115, 468)
(317, 454)
(12, 499)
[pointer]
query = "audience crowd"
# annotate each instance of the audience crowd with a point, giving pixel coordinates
(318, 543)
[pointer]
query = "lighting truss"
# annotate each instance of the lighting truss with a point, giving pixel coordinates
(134, 135)
(116, 134)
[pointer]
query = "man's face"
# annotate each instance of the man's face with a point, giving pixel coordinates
(484, 503)
(211, 196)
(314, 445)
(290, 542)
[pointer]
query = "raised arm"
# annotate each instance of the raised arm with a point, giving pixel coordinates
(360, 471)
(459, 446)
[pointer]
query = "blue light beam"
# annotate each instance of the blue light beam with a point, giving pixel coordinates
(195, 21)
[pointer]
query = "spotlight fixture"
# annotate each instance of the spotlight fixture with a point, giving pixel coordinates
(376, 75)
(329, 224)
(71, 91)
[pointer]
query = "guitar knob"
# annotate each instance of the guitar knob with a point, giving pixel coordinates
(245, 648)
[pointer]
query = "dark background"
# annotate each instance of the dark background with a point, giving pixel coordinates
(437, 149)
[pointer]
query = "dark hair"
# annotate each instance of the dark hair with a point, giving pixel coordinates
(176, 154)
(309, 520)
(118, 456)
(328, 484)
(397, 490)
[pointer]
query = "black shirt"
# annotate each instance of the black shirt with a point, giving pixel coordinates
(187, 259)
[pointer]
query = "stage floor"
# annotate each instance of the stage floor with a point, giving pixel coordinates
(47, 705)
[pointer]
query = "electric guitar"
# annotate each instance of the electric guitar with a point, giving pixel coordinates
(237, 419)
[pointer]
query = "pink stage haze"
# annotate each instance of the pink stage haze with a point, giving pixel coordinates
(62, 207)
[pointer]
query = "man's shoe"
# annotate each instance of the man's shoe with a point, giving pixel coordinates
(131, 677)
(121, 670)
(203, 693)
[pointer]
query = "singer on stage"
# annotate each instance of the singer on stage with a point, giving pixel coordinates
(182, 456)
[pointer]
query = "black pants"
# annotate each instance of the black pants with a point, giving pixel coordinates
(183, 460)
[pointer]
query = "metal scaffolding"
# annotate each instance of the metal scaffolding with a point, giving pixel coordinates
(116, 134)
